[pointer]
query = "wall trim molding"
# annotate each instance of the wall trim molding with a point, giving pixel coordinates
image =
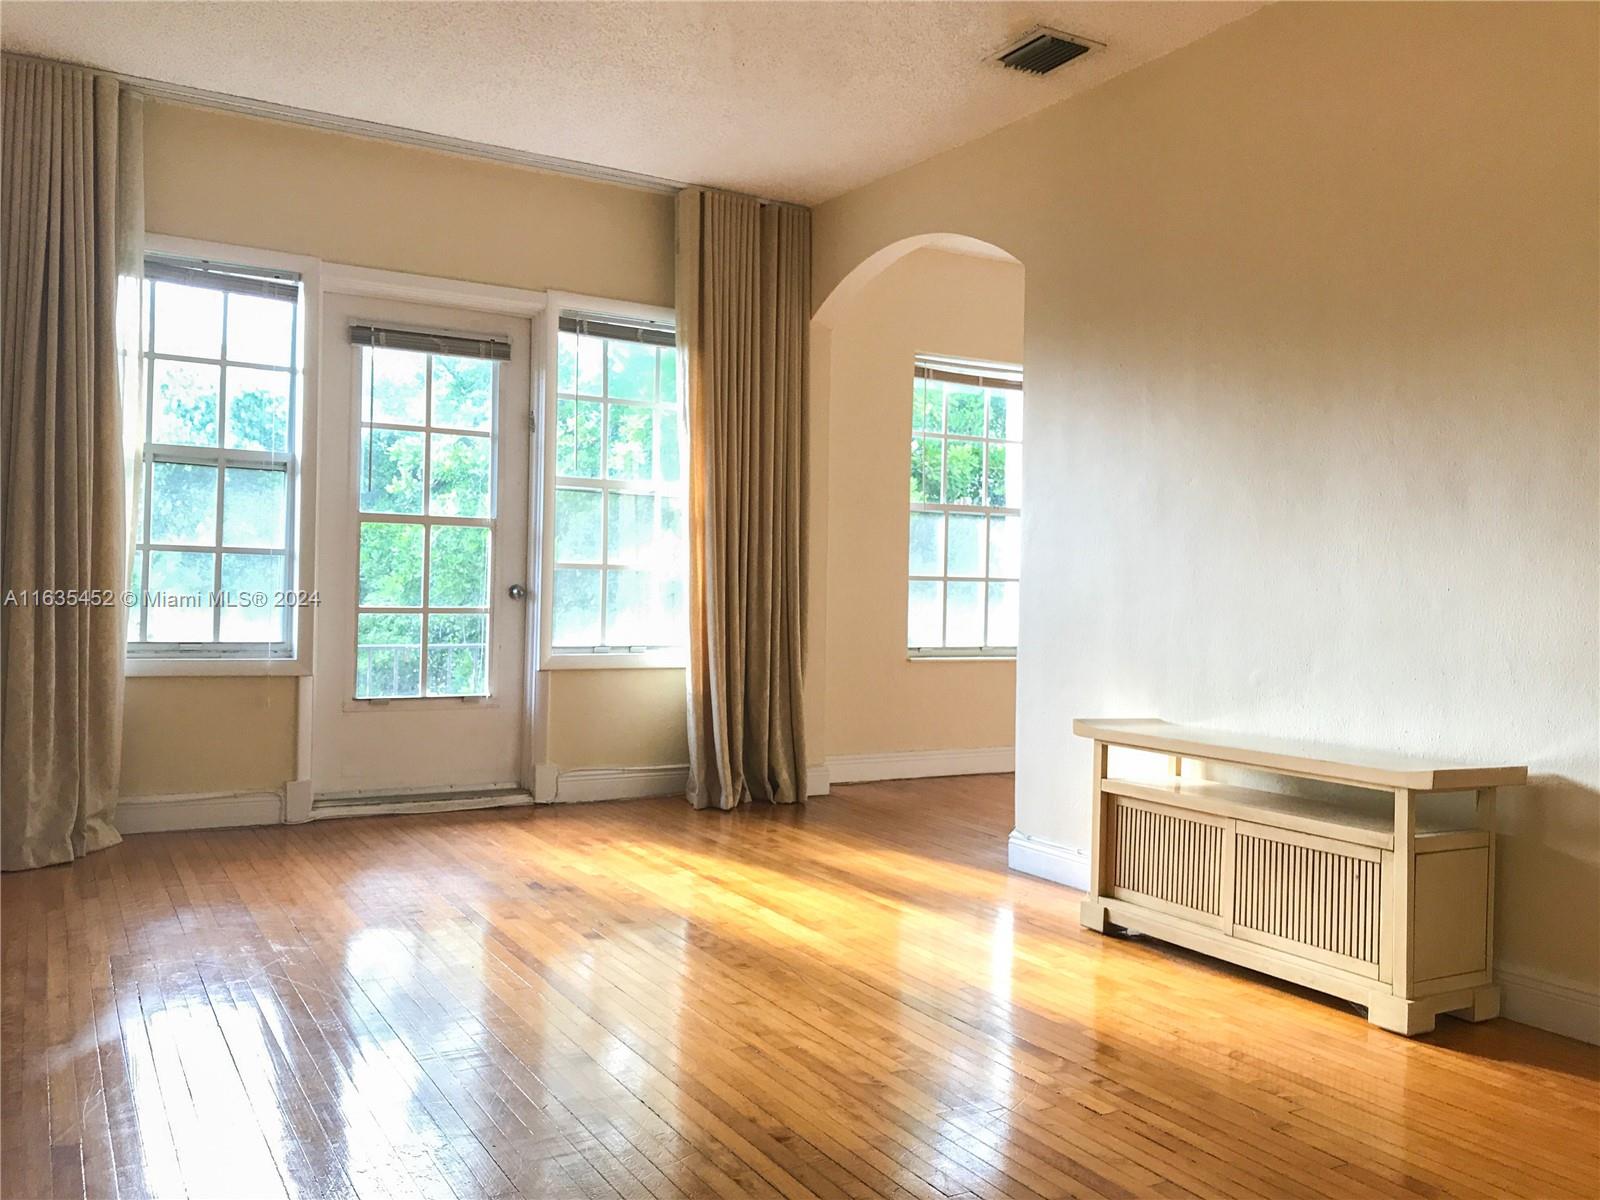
(921, 764)
(546, 778)
(197, 810)
(376, 283)
(1044, 859)
(1546, 1004)
(584, 785)
(224, 810)
(269, 110)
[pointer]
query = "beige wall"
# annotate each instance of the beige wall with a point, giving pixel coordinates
(225, 178)
(619, 718)
(228, 178)
(877, 701)
(212, 734)
(1313, 406)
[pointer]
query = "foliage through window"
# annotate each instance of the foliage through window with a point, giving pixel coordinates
(426, 480)
(966, 508)
(212, 568)
(619, 552)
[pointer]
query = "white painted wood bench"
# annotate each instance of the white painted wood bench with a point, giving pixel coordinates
(1369, 895)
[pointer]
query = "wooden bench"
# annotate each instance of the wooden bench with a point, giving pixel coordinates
(1364, 891)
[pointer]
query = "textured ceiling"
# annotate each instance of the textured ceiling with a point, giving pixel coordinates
(797, 101)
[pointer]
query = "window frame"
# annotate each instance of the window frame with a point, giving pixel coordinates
(550, 657)
(292, 655)
(986, 511)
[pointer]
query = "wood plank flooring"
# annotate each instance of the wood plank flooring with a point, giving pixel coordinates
(849, 999)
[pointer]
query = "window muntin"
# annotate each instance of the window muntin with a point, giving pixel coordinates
(213, 554)
(966, 508)
(617, 582)
(425, 483)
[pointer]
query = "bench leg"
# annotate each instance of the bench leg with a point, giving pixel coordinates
(1405, 1017)
(1485, 1004)
(1092, 915)
(1411, 1017)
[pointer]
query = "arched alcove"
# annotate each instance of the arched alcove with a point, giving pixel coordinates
(873, 704)
(876, 263)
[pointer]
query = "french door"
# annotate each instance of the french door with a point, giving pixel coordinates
(420, 653)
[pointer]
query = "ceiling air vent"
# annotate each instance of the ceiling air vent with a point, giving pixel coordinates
(1043, 50)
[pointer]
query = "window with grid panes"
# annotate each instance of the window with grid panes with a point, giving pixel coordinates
(213, 557)
(619, 553)
(966, 508)
(426, 486)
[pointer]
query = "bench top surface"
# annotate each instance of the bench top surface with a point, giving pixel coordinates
(1343, 764)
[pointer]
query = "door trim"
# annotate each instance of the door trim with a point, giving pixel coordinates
(374, 284)
(343, 279)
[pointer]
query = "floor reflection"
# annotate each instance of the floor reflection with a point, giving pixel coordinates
(640, 1000)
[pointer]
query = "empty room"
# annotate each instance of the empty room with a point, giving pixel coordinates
(924, 599)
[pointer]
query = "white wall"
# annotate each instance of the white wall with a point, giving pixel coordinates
(1314, 412)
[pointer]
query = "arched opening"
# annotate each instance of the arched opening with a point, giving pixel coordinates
(917, 422)
(876, 263)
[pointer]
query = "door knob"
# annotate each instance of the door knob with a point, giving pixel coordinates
(517, 592)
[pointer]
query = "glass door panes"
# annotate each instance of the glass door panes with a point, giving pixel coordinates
(966, 500)
(619, 545)
(211, 562)
(425, 482)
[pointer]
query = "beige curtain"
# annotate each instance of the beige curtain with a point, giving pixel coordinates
(71, 221)
(743, 283)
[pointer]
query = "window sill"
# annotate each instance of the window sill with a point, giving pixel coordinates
(434, 704)
(649, 660)
(959, 658)
(139, 667)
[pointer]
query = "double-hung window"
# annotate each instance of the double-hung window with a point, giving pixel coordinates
(213, 568)
(618, 550)
(966, 508)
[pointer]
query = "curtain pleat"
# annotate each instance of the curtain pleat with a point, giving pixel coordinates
(70, 189)
(743, 315)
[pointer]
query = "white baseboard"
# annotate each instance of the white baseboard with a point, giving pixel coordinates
(1068, 865)
(199, 810)
(921, 764)
(585, 784)
(1546, 1004)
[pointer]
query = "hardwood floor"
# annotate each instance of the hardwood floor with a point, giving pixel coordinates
(850, 999)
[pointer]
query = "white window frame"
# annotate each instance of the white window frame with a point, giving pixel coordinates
(429, 522)
(293, 656)
(1004, 653)
(549, 657)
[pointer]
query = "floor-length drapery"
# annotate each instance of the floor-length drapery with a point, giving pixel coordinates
(71, 200)
(743, 313)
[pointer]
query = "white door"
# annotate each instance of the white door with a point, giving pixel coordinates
(420, 652)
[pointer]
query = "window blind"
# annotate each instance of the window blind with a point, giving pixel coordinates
(618, 330)
(249, 281)
(968, 375)
(461, 345)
